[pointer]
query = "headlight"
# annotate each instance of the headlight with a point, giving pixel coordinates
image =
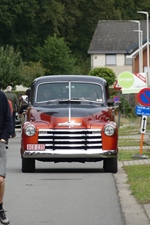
(109, 130)
(30, 130)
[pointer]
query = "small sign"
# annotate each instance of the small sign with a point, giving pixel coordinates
(144, 97)
(116, 99)
(142, 110)
(143, 124)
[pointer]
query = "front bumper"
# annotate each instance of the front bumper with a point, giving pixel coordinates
(57, 154)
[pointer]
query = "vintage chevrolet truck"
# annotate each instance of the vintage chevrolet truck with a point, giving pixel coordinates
(70, 118)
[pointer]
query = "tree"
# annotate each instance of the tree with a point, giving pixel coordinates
(11, 66)
(27, 24)
(30, 72)
(89, 14)
(56, 56)
(105, 73)
(128, 8)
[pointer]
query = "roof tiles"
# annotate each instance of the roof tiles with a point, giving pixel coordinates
(117, 36)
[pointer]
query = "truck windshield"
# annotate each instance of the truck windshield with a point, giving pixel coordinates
(69, 90)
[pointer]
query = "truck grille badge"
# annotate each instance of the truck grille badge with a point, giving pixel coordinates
(69, 124)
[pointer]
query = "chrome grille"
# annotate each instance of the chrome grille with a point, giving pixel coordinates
(70, 139)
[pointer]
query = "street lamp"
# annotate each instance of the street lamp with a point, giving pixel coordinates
(140, 50)
(141, 33)
(140, 46)
(147, 19)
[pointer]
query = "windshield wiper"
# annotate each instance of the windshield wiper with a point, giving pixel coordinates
(57, 100)
(73, 100)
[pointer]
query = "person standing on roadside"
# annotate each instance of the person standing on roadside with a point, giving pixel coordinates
(22, 111)
(15, 103)
(20, 99)
(6, 126)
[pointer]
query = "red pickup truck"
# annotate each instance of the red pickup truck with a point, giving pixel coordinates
(70, 118)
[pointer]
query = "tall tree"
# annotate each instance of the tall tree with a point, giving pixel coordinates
(56, 57)
(30, 72)
(11, 66)
(81, 17)
(129, 8)
(25, 24)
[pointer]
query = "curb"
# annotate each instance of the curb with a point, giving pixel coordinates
(134, 213)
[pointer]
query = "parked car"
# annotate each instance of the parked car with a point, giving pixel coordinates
(70, 119)
(17, 121)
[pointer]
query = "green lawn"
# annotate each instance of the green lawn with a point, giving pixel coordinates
(125, 155)
(129, 142)
(139, 181)
(138, 175)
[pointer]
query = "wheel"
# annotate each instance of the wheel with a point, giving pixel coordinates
(28, 165)
(110, 165)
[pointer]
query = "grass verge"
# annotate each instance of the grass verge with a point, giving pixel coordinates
(129, 142)
(139, 180)
(138, 175)
(125, 155)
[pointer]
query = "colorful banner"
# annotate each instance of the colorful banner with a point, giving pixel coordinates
(131, 82)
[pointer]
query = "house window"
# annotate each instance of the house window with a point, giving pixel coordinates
(110, 59)
(128, 61)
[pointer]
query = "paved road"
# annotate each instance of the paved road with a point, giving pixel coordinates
(60, 194)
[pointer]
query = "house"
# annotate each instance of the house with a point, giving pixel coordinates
(118, 44)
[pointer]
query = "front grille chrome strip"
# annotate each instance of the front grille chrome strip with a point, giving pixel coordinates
(69, 139)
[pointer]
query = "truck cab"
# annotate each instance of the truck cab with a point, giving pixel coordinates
(70, 118)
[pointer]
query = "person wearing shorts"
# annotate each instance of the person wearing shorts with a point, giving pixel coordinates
(6, 127)
(15, 103)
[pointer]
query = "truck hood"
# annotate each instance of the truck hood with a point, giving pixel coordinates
(64, 116)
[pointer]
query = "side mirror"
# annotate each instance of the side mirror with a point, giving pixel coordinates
(110, 102)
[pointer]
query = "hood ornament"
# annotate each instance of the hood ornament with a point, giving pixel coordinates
(69, 124)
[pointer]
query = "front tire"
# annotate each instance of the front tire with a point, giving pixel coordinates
(110, 165)
(28, 165)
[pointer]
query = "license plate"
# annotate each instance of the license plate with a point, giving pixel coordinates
(35, 147)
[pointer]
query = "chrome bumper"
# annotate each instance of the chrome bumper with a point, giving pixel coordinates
(50, 154)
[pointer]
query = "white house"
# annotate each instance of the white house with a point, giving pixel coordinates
(113, 41)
